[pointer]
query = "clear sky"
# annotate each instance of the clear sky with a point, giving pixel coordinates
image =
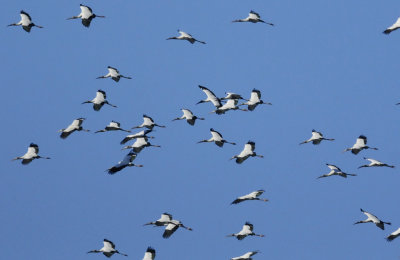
(325, 65)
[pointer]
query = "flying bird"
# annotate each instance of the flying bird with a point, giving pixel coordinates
(361, 144)
(142, 133)
(185, 36)
(231, 104)
(316, 138)
(164, 220)
(148, 122)
(114, 74)
(371, 218)
(217, 138)
(30, 155)
(252, 18)
(336, 171)
(173, 226)
(211, 97)
(246, 256)
(247, 151)
(113, 126)
(230, 95)
(393, 235)
(255, 100)
(150, 254)
(126, 162)
(375, 163)
(140, 144)
(86, 15)
(108, 249)
(393, 27)
(76, 125)
(247, 230)
(188, 115)
(251, 196)
(99, 100)
(26, 22)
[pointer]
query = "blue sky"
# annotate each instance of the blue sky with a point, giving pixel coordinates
(324, 66)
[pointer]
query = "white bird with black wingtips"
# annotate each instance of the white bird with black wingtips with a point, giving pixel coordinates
(216, 138)
(142, 133)
(150, 254)
(76, 125)
(251, 196)
(86, 15)
(255, 100)
(211, 97)
(373, 219)
(149, 123)
(316, 138)
(173, 226)
(99, 100)
(246, 256)
(393, 27)
(108, 249)
(393, 235)
(164, 220)
(126, 162)
(247, 230)
(252, 18)
(114, 74)
(375, 163)
(185, 36)
(231, 95)
(231, 104)
(30, 155)
(188, 116)
(113, 126)
(361, 144)
(247, 151)
(140, 144)
(25, 22)
(336, 171)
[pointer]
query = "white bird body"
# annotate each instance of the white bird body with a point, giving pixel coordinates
(185, 36)
(164, 220)
(173, 226)
(246, 256)
(361, 144)
(142, 133)
(86, 15)
(393, 27)
(251, 196)
(76, 125)
(148, 122)
(375, 163)
(140, 144)
(231, 95)
(393, 235)
(255, 100)
(114, 74)
(247, 151)
(253, 17)
(150, 254)
(188, 116)
(217, 138)
(99, 100)
(25, 22)
(316, 138)
(231, 104)
(247, 230)
(108, 249)
(336, 171)
(126, 162)
(211, 97)
(113, 126)
(30, 155)
(371, 218)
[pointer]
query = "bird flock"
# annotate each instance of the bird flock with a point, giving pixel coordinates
(231, 102)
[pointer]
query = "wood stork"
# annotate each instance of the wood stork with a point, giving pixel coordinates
(211, 97)
(99, 100)
(393, 27)
(30, 155)
(185, 36)
(126, 162)
(231, 104)
(113, 126)
(247, 151)
(316, 138)
(336, 171)
(251, 196)
(247, 230)
(393, 235)
(76, 125)
(114, 74)
(108, 249)
(359, 145)
(86, 15)
(217, 138)
(164, 220)
(371, 218)
(252, 18)
(140, 144)
(255, 100)
(375, 163)
(142, 133)
(26, 22)
(150, 254)
(246, 256)
(173, 226)
(148, 122)
(230, 95)
(188, 115)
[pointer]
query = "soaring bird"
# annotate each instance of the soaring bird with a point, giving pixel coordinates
(113, 126)
(247, 151)
(371, 218)
(173, 226)
(114, 74)
(108, 249)
(255, 100)
(99, 100)
(336, 171)
(185, 36)
(126, 162)
(148, 122)
(246, 256)
(142, 133)
(211, 97)
(252, 18)
(316, 138)
(140, 144)
(86, 15)
(361, 144)
(188, 115)
(217, 138)
(231, 104)
(393, 27)
(164, 220)
(251, 196)
(375, 163)
(247, 230)
(26, 22)
(76, 125)
(30, 155)
(150, 254)
(230, 95)
(393, 235)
